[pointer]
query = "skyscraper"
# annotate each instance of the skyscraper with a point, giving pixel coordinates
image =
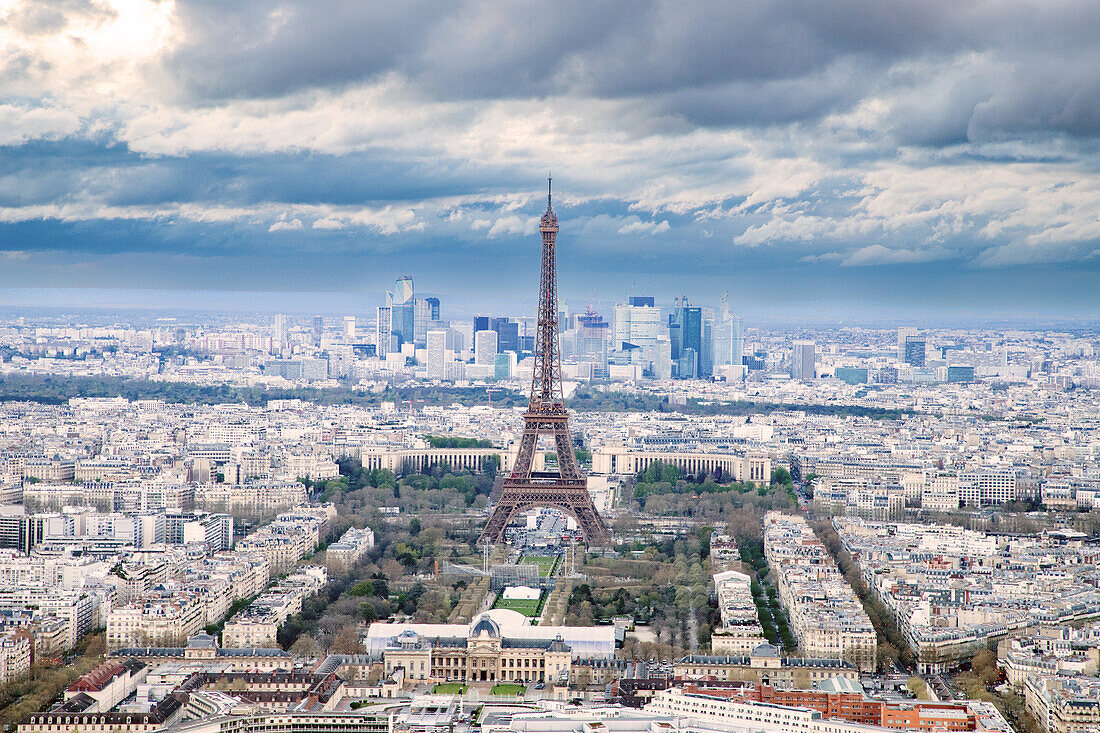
(433, 308)
(729, 332)
(437, 354)
(278, 336)
(505, 365)
(635, 330)
(384, 339)
(422, 320)
(688, 363)
(706, 356)
(318, 329)
(691, 337)
(403, 291)
(485, 347)
(507, 334)
(904, 333)
(349, 328)
(639, 325)
(803, 357)
(592, 333)
(662, 359)
(481, 323)
(915, 350)
(402, 310)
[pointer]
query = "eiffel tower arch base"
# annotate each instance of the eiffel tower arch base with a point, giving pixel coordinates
(519, 496)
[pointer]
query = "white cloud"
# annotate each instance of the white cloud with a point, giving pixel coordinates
(514, 225)
(283, 225)
(20, 123)
(328, 223)
(876, 254)
(645, 227)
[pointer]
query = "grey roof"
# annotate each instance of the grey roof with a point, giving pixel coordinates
(745, 661)
(178, 651)
(557, 645)
(202, 641)
(149, 651)
(259, 652)
(766, 650)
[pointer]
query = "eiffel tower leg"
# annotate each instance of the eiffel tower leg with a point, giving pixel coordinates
(525, 456)
(567, 459)
(502, 514)
(589, 520)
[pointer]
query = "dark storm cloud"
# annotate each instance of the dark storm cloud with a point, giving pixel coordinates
(1059, 94)
(258, 48)
(716, 64)
(44, 172)
(482, 49)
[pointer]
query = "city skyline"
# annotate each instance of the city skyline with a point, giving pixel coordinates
(324, 408)
(842, 159)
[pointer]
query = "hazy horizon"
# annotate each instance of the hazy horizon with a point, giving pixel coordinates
(46, 302)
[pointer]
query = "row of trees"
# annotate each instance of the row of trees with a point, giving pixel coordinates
(614, 401)
(892, 647)
(46, 681)
(439, 441)
(438, 490)
(388, 582)
(663, 479)
(664, 585)
(59, 390)
(773, 619)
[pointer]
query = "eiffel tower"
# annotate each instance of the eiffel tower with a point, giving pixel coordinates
(567, 488)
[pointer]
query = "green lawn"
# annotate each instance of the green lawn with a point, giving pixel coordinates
(508, 689)
(527, 608)
(450, 688)
(546, 564)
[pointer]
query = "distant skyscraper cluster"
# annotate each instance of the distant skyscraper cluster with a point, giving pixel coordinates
(682, 342)
(406, 320)
(642, 339)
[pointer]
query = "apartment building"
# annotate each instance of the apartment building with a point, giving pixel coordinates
(352, 546)
(825, 616)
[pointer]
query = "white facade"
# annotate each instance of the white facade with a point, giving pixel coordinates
(637, 325)
(485, 348)
(437, 353)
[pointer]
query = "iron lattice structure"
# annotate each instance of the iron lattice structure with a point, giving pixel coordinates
(524, 488)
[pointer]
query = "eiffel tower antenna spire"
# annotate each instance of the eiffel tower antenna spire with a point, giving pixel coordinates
(567, 488)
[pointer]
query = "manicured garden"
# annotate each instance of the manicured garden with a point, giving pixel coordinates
(508, 690)
(546, 564)
(526, 607)
(450, 688)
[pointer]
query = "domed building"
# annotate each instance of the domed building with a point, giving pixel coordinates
(499, 645)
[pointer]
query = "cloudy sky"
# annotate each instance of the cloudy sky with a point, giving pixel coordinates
(855, 156)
